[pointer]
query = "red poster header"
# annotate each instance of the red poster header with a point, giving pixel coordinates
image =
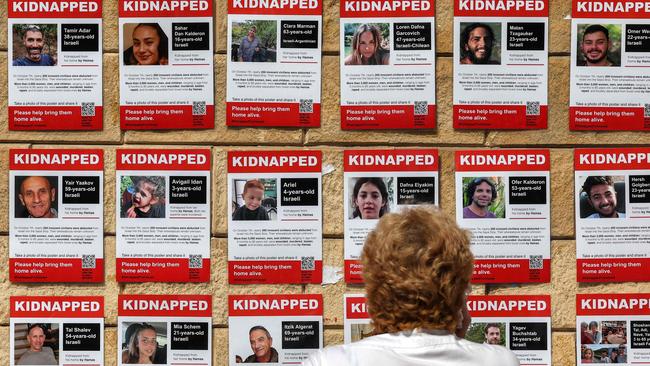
(387, 8)
(158, 159)
(612, 304)
(416, 160)
(276, 7)
(355, 307)
(274, 161)
(509, 306)
(165, 8)
(612, 159)
(501, 8)
(56, 306)
(44, 9)
(165, 305)
(608, 9)
(502, 160)
(275, 305)
(50, 159)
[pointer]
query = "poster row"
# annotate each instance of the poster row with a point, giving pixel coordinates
(387, 64)
(162, 204)
(177, 329)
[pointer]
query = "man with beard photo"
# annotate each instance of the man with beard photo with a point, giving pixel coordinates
(601, 196)
(33, 40)
(481, 192)
(595, 46)
(477, 41)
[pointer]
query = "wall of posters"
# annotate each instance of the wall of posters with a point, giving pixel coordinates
(56, 215)
(522, 324)
(274, 328)
(503, 198)
(612, 211)
(356, 321)
(610, 56)
(381, 181)
(62, 42)
(275, 219)
(164, 329)
(387, 56)
(612, 328)
(56, 330)
(163, 215)
(166, 64)
(500, 64)
(274, 63)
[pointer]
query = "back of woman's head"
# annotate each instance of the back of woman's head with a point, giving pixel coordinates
(417, 266)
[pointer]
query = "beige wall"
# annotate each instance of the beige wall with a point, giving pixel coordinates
(331, 140)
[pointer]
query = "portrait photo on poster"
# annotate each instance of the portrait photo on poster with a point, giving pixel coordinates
(602, 196)
(367, 43)
(254, 41)
(36, 197)
(371, 197)
(36, 343)
(145, 44)
(599, 45)
(484, 198)
(254, 199)
(142, 196)
(489, 333)
(603, 341)
(144, 343)
(34, 45)
(480, 43)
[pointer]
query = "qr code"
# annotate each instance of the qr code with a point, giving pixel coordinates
(198, 109)
(532, 108)
(646, 110)
(307, 264)
(536, 262)
(196, 261)
(88, 261)
(421, 108)
(87, 109)
(306, 106)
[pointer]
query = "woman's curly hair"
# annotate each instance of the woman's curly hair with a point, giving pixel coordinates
(417, 266)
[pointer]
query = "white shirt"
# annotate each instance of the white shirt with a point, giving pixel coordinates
(410, 348)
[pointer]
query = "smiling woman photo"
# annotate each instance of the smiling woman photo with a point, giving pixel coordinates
(149, 45)
(367, 47)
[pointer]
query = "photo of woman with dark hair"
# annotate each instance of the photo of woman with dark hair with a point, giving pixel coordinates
(150, 45)
(367, 47)
(369, 198)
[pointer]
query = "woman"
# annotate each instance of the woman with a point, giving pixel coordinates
(142, 346)
(367, 47)
(370, 198)
(587, 356)
(150, 46)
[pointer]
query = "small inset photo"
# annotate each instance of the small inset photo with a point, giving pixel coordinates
(484, 198)
(602, 197)
(367, 43)
(360, 331)
(255, 199)
(371, 197)
(254, 41)
(480, 43)
(145, 44)
(599, 45)
(144, 343)
(489, 333)
(142, 197)
(34, 44)
(36, 197)
(36, 344)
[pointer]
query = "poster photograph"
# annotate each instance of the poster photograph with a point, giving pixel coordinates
(166, 64)
(164, 330)
(56, 215)
(356, 321)
(500, 64)
(610, 56)
(275, 217)
(56, 330)
(613, 328)
(55, 65)
(162, 203)
(503, 199)
(377, 182)
(274, 329)
(612, 203)
(520, 323)
(274, 63)
(387, 64)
